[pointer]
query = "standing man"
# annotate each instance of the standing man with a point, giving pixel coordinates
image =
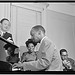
(68, 63)
(4, 28)
(47, 56)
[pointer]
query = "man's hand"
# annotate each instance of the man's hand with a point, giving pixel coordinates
(9, 39)
(67, 64)
(17, 65)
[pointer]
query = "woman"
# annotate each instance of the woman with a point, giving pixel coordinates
(30, 55)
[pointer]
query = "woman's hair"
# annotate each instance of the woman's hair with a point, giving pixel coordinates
(3, 20)
(30, 41)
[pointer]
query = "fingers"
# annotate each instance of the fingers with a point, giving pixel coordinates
(67, 64)
(14, 65)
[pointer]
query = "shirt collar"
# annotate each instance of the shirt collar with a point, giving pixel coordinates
(43, 38)
(2, 32)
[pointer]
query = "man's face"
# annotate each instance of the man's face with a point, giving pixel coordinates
(9, 50)
(5, 25)
(64, 55)
(35, 36)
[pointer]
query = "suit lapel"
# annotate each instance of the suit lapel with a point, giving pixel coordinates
(41, 49)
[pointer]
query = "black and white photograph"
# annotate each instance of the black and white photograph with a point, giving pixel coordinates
(37, 37)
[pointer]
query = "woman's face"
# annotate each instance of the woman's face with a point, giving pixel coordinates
(31, 47)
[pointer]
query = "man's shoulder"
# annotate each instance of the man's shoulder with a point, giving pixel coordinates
(47, 41)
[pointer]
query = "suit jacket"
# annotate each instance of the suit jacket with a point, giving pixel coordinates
(7, 35)
(47, 58)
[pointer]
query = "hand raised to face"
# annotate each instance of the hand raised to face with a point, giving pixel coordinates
(67, 64)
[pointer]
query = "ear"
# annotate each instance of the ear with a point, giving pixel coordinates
(39, 32)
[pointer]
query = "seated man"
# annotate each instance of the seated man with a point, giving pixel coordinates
(68, 63)
(47, 56)
(30, 55)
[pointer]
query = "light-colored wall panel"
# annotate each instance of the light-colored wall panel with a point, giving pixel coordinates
(63, 8)
(13, 23)
(2, 10)
(22, 21)
(60, 31)
(5, 11)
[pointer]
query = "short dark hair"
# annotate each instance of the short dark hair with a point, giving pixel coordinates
(39, 27)
(30, 41)
(63, 50)
(3, 20)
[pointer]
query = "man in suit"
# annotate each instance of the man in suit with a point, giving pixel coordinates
(48, 58)
(68, 63)
(4, 28)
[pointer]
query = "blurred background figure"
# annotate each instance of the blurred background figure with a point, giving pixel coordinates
(12, 56)
(5, 25)
(4, 32)
(4, 29)
(68, 63)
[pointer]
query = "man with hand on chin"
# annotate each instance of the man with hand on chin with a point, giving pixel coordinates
(68, 63)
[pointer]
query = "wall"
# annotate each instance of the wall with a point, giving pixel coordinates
(2, 10)
(23, 19)
(66, 8)
(60, 30)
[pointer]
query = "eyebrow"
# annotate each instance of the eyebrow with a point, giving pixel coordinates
(64, 55)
